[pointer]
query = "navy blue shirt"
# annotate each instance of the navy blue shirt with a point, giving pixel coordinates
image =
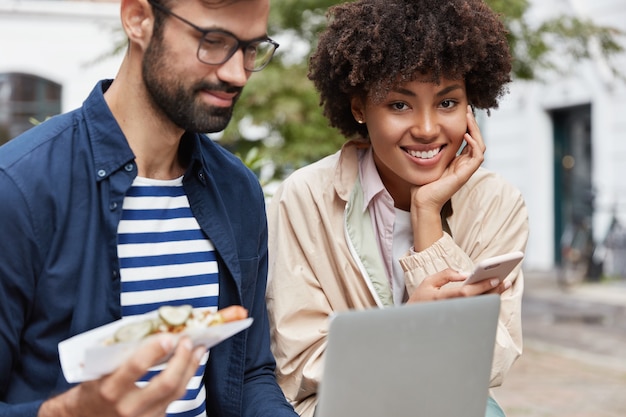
(62, 184)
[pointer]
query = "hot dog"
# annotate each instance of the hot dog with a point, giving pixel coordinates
(176, 319)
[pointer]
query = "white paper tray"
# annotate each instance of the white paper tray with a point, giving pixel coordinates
(86, 356)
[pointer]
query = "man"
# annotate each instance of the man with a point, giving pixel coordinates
(123, 205)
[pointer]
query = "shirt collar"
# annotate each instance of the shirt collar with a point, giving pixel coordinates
(371, 183)
(110, 147)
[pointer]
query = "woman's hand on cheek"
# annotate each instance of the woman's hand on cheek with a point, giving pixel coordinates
(473, 132)
(457, 173)
(427, 200)
(471, 157)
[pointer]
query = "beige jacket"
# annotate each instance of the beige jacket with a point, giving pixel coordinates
(313, 272)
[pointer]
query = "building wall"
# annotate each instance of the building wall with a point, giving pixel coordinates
(520, 138)
(63, 41)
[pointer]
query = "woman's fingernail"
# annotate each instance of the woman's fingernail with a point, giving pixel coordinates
(507, 285)
(494, 282)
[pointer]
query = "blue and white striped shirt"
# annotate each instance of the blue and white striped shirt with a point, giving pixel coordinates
(165, 259)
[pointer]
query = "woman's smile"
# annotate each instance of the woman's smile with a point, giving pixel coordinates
(425, 156)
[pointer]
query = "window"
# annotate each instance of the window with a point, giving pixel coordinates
(24, 97)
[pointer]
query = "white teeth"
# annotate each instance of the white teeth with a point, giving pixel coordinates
(424, 155)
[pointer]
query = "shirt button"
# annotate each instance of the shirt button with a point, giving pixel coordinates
(102, 173)
(129, 167)
(113, 206)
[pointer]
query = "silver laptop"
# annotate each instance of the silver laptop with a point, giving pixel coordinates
(429, 359)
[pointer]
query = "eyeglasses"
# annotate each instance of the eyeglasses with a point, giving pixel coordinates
(218, 46)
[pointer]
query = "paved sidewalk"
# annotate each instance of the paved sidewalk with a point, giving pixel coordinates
(546, 382)
(574, 361)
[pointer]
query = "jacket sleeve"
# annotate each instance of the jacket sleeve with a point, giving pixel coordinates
(261, 395)
(298, 305)
(16, 289)
(490, 218)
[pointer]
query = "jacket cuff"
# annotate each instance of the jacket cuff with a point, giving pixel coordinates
(442, 254)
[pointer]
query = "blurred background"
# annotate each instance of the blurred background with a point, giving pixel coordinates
(558, 135)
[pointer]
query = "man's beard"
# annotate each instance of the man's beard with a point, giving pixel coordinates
(178, 102)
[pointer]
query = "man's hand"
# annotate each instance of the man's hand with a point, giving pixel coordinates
(117, 395)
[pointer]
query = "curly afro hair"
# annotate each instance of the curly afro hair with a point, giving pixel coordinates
(371, 46)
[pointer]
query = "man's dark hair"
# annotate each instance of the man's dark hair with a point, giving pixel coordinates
(372, 46)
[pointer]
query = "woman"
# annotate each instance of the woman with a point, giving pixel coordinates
(400, 211)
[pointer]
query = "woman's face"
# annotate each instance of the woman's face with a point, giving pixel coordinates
(415, 131)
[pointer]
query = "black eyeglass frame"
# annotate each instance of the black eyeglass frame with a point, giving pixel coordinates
(239, 44)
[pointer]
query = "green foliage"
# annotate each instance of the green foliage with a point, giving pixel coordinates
(509, 9)
(305, 17)
(34, 121)
(284, 100)
(541, 48)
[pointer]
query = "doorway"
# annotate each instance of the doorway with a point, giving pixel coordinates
(573, 185)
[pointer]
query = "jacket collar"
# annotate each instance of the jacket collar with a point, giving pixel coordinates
(348, 168)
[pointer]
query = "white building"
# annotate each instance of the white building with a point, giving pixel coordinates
(528, 138)
(558, 138)
(63, 42)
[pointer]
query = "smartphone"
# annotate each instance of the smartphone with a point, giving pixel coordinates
(496, 267)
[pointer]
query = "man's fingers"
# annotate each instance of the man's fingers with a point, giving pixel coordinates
(170, 384)
(150, 353)
(165, 387)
